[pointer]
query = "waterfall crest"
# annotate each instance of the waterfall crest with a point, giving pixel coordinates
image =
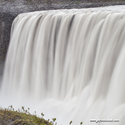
(69, 64)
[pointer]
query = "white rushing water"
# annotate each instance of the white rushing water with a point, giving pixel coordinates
(69, 64)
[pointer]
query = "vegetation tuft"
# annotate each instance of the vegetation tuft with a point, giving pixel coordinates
(23, 117)
(20, 117)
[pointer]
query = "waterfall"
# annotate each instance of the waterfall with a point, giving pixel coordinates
(69, 64)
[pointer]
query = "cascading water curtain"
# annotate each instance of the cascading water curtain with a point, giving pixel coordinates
(69, 64)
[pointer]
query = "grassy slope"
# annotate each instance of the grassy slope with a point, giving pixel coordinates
(9, 117)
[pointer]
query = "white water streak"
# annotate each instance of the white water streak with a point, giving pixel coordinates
(69, 64)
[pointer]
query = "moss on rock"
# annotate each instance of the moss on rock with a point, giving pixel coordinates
(9, 117)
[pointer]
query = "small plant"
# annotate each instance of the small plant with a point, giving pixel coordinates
(51, 122)
(81, 123)
(18, 110)
(70, 122)
(54, 119)
(26, 111)
(23, 108)
(11, 107)
(42, 115)
(35, 112)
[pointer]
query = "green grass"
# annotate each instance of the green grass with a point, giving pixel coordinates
(20, 117)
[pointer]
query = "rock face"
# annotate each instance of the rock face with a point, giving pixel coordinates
(9, 10)
(5, 26)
